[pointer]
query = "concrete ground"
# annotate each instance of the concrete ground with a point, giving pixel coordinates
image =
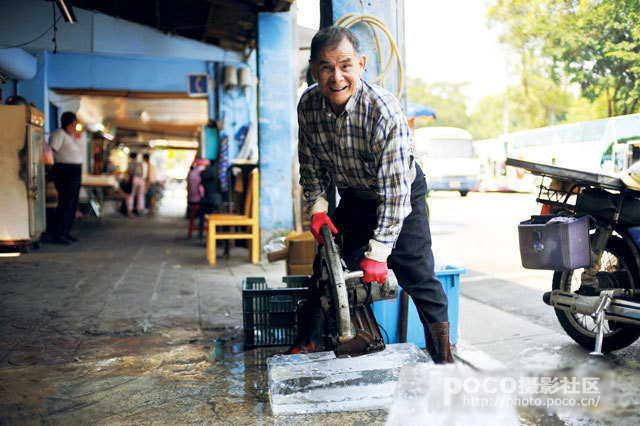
(132, 325)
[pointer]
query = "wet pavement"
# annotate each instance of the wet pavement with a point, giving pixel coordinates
(131, 325)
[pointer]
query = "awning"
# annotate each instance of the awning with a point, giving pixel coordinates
(415, 110)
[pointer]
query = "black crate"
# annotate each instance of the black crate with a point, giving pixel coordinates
(269, 315)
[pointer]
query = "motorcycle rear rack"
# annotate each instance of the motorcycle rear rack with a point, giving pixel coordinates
(569, 183)
(577, 177)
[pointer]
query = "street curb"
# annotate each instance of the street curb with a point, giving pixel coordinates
(475, 358)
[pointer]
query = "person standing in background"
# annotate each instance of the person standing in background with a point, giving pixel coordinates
(212, 198)
(195, 191)
(69, 152)
(137, 185)
(151, 183)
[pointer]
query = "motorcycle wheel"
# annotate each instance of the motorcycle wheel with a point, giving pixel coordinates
(582, 328)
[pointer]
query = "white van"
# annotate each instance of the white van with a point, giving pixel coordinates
(447, 159)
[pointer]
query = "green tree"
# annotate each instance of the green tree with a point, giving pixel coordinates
(525, 24)
(583, 109)
(447, 99)
(487, 117)
(598, 45)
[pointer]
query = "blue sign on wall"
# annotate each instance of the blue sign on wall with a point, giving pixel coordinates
(197, 84)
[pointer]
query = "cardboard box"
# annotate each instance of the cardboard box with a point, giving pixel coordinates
(301, 250)
(303, 269)
(299, 253)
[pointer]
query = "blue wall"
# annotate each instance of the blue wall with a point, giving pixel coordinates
(7, 90)
(102, 52)
(110, 72)
(276, 119)
(106, 53)
(22, 20)
(238, 107)
(35, 90)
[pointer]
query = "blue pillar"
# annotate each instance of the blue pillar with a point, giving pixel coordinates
(276, 112)
(212, 92)
(210, 139)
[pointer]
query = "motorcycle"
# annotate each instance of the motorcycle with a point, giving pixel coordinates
(589, 234)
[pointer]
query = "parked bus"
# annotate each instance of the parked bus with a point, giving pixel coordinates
(604, 145)
(493, 155)
(447, 157)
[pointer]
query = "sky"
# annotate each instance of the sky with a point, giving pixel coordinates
(446, 40)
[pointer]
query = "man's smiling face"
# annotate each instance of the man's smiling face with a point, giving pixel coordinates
(337, 72)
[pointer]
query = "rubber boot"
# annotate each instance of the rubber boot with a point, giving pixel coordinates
(438, 344)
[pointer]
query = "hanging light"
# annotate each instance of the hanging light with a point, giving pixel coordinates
(67, 11)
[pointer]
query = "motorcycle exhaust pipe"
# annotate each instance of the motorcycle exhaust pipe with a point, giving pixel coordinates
(619, 310)
(572, 302)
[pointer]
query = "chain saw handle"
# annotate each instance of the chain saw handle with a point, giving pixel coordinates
(327, 234)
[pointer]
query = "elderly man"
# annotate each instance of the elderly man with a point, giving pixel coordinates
(357, 134)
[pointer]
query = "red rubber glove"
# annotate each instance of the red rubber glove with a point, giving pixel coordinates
(374, 271)
(317, 220)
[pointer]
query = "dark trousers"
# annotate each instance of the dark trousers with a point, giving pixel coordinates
(67, 179)
(202, 211)
(411, 260)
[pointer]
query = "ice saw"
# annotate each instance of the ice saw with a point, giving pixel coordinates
(342, 303)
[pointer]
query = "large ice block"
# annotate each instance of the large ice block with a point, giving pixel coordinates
(421, 394)
(320, 382)
(457, 395)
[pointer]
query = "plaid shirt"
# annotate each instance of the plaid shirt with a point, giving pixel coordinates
(367, 147)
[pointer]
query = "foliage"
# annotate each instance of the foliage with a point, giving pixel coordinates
(576, 60)
(487, 117)
(540, 98)
(583, 109)
(593, 43)
(598, 44)
(447, 99)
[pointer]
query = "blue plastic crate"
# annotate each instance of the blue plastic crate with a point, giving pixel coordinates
(387, 312)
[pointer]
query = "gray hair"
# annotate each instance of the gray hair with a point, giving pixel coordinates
(330, 37)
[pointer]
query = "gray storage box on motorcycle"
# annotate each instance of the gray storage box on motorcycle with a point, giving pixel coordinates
(555, 246)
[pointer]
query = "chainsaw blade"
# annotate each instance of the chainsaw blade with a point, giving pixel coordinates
(367, 334)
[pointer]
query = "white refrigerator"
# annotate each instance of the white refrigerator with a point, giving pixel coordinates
(22, 180)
